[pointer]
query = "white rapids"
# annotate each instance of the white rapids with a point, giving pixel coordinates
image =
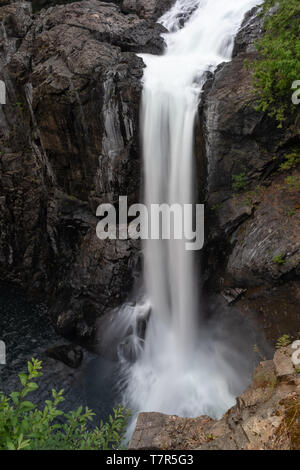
(180, 369)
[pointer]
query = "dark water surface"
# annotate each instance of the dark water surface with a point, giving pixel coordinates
(27, 332)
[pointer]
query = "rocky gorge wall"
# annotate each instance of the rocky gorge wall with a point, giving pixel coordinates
(252, 249)
(69, 137)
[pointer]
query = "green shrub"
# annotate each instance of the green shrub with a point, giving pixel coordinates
(291, 161)
(279, 259)
(278, 65)
(290, 212)
(239, 182)
(293, 183)
(216, 207)
(24, 426)
(283, 341)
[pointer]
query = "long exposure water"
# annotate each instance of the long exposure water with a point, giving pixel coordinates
(181, 368)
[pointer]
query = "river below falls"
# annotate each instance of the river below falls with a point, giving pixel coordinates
(27, 331)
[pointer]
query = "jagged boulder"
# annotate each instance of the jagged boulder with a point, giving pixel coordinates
(150, 9)
(146, 8)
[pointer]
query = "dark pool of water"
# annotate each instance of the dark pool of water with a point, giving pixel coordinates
(27, 332)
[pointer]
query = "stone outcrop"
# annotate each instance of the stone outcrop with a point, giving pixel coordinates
(253, 216)
(265, 417)
(69, 137)
(150, 9)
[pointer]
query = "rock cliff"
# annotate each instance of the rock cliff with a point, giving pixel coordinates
(253, 245)
(69, 137)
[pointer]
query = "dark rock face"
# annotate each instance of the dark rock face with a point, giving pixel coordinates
(253, 214)
(68, 354)
(251, 30)
(148, 9)
(37, 5)
(69, 138)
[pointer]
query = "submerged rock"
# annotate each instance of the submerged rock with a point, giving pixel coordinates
(69, 354)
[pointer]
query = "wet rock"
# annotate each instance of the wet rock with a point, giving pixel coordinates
(251, 30)
(275, 308)
(130, 349)
(231, 295)
(236, 132)
(16, 20)
(69, 354)
(147, 9)
(152, 9)
(268, 246)
(121, 332)
(101, 276)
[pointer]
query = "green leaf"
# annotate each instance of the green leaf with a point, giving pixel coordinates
(27, 406)
(24, 426)
(15, 397)
(30, 367)
(23, 378)
(32, 386)
(10, 445)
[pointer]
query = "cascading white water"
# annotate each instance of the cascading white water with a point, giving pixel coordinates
(179, 370)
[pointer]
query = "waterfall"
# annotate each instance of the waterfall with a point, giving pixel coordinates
(180, 369)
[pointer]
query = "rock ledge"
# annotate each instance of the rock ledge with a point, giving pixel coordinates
(265, 417)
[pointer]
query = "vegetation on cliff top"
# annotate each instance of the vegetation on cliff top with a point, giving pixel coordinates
(278, 65)
(24, 427)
